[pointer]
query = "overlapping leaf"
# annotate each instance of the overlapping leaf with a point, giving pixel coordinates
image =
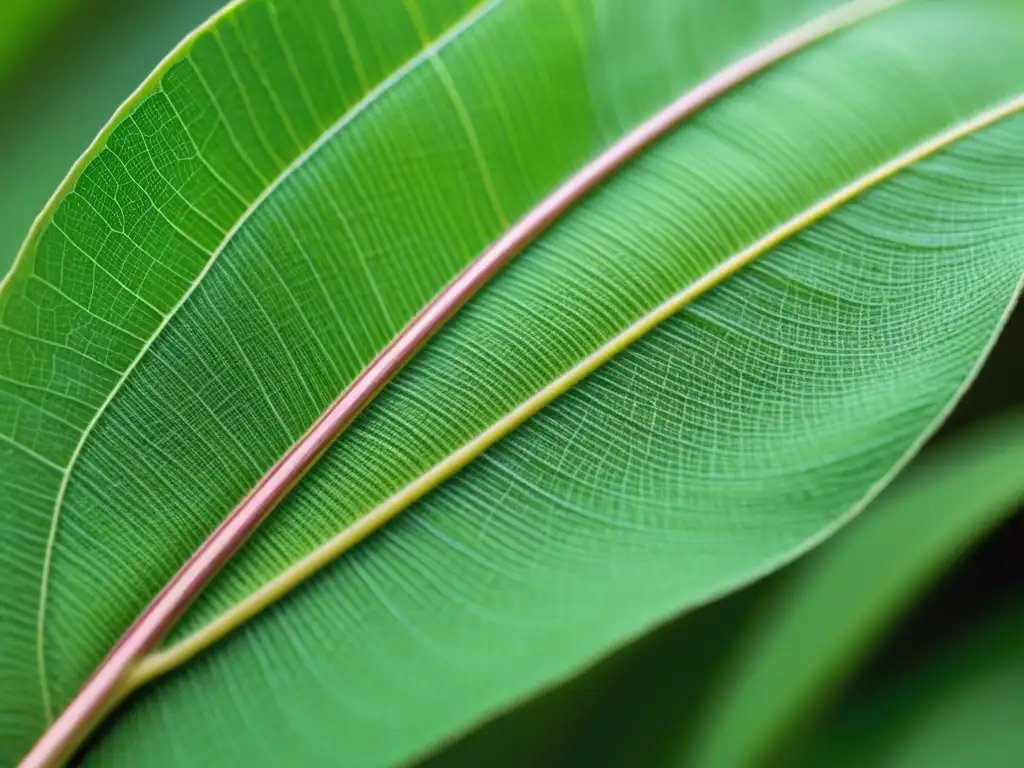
(304, 176)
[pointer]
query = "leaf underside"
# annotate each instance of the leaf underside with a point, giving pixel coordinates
(304, 176)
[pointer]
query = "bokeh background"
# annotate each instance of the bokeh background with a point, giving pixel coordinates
(65, 66)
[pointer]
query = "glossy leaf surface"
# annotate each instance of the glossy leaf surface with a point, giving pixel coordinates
(304, 176)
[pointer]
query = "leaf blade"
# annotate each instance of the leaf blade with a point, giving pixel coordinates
(169, 446)
(429, 550)
(312, 563)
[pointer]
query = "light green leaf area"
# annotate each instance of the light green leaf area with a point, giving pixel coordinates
(724, 685)
(838, 604)
(962, 705)
(304, 176)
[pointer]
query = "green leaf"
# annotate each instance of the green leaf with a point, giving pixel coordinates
(836, 607)
(767, 654)
(962, 705)
(300, 178)
(52, 109)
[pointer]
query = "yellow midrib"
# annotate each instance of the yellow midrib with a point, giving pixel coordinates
(169, 658)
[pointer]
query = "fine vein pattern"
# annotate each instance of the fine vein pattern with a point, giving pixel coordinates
(711, 450)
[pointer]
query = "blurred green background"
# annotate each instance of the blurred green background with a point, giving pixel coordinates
(65, 66)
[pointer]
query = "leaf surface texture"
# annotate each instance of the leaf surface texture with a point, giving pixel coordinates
(303, 177)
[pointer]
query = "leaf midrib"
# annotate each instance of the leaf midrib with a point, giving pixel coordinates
(113, 678)
(162, 661)
(425, 54)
